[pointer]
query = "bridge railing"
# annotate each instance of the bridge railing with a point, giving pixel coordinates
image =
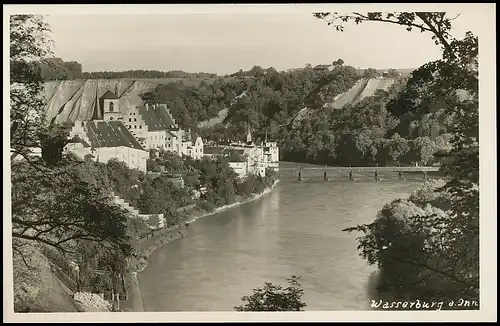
(368, 169)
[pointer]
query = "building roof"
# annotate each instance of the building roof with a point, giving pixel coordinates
(171, 134)
(109, 95)
(229, 150)
(163, 114)
(156, 117)
(77, 139)
(321, 67)
(151, 119)
(110, 134)
(212, 150)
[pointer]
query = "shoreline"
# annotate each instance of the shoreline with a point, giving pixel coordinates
(135, 295)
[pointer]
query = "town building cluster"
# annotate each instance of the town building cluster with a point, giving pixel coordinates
(128, 134)
(248, 157)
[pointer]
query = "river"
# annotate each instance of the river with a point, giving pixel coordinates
(295, 229)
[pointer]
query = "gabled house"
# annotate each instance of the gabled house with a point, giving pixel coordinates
(152, 125)
(155, 128)
(102, 141)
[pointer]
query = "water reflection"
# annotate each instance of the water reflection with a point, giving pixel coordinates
(296, 229)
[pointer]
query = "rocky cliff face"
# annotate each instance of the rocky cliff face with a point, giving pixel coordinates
(77, 99)
(362, 89)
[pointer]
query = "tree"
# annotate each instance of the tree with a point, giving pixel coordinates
(437, 23)
(52, 142)
(370, 73)
(275, 297)
(56, 207)
(392, 73)
(339, 62)
(448, 238)
(29, 43)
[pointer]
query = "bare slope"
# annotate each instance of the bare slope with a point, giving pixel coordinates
(362, 89)
(76, 99)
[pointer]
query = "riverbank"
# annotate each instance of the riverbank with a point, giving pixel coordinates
(149, 244)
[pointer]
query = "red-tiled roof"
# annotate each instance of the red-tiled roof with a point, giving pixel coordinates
(110, 134)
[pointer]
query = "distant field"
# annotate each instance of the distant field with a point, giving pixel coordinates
(404, 72)
(186, 81)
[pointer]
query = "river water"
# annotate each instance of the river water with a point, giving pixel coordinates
(294, 230)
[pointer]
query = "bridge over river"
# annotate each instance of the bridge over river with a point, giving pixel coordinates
(363, 172)
(368, 168)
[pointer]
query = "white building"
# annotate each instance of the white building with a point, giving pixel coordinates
(153, 126)
(272, 151)
(105, 140)
(256, 159)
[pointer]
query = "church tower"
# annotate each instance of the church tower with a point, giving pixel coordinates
(110, 105)
(249, 136)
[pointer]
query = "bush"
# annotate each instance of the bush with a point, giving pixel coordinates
(275, 298)
(207, 206)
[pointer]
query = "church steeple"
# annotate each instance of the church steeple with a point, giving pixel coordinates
(249, 135)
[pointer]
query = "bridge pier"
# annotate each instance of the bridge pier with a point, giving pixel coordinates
(376, 174)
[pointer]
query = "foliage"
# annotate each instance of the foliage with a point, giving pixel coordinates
(275, 297)
(57, 69)
(145, 74)
(28, 43)
(436, 248)
(55, 207)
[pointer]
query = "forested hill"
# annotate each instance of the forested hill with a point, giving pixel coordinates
(339, 117)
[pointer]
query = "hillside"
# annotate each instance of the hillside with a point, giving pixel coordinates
(362, 89)
(76, 99)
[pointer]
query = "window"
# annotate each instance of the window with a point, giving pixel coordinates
(110, 118)
(135, 126)
(140, 126)
(129, 119)
(135, 119)
(168, 138)
(111, 106)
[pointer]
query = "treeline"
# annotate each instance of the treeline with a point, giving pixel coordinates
(193, 104)
(222, 184)
(370, 132)
(385, 128)
(58, 69)
(145, 74)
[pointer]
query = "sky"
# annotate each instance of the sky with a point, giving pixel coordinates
(224, 42)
